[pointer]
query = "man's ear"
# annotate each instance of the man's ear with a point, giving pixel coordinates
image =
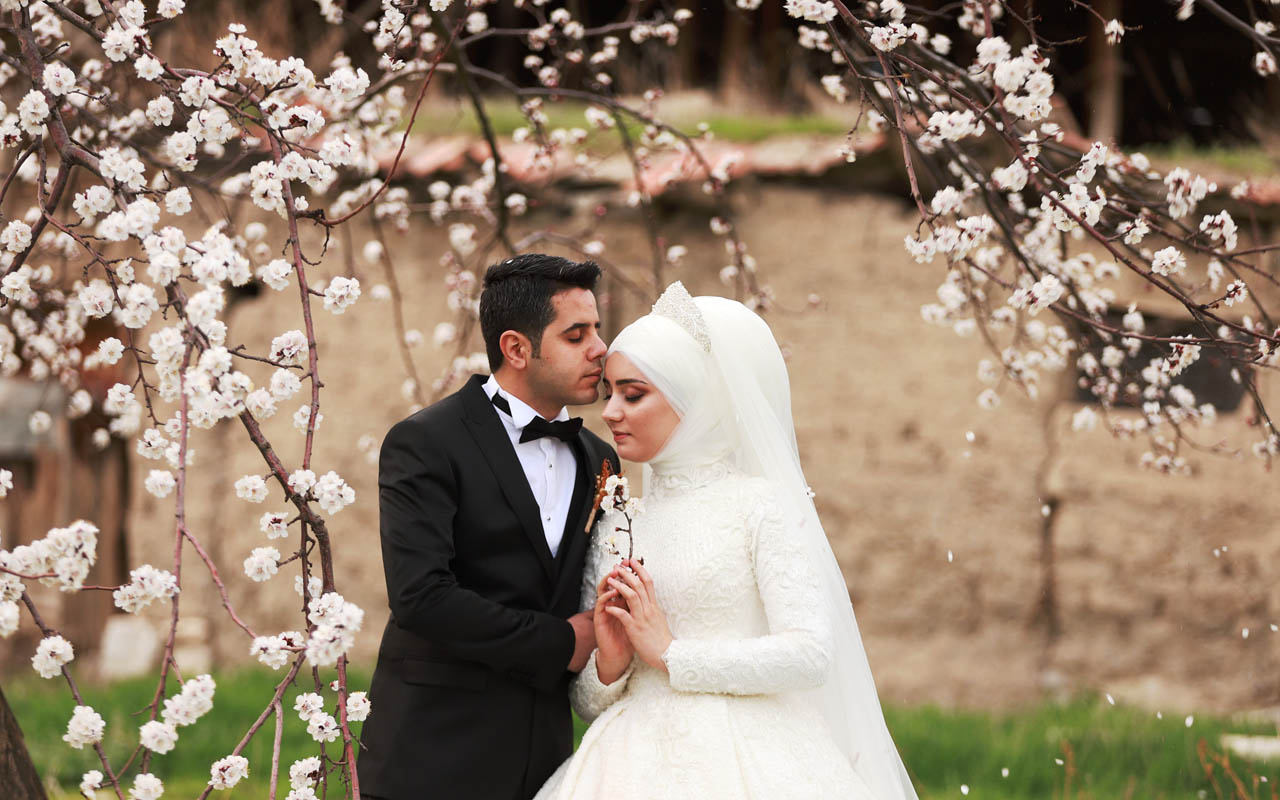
(516, 349)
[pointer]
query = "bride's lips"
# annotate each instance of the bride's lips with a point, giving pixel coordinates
(617, 436)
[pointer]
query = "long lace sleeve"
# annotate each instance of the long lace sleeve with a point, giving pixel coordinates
(797, 651)
(588, 696)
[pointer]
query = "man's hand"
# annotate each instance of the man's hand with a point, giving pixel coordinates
(584, 639)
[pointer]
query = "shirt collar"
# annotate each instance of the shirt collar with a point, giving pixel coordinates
(521, 413)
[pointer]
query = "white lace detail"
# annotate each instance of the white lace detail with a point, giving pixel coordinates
(791, 651)
(667, 483)
(744, 608)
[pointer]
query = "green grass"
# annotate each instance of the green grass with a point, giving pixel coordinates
(1116, 751)
(44, 707)
(442, 118)
(1248, 161)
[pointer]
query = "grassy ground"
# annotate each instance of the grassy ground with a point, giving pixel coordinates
(1253, 161)
(445, 118)
(1106, 751)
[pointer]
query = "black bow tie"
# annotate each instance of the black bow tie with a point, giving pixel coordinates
(565, 431)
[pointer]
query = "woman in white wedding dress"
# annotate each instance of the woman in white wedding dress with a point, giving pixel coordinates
(729, 662)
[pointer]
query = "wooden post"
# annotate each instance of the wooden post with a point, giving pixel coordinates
(1105, 79)
(18, 775)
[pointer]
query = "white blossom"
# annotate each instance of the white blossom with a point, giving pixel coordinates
(358, 707)
(262, 564)
(32, 112)
(1237, 292)
(1114, 31)
(276, 274)
(289, 348)
(158, 737)
(51, 654)
(146, 584)
(323, 728)
(160, 482)
(9, 618)
(85, 728)
(252, 488)
(305, 772)
(16, 236)
(333, 493)
(227, 772)
(1169, 261)
(147, 67)
(340, 294)
(192, 702)
(58, 79)
(1264, 63)
(270, 650)
(145, 785)
(308, 704)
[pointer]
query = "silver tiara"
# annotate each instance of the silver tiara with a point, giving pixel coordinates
(676, 304)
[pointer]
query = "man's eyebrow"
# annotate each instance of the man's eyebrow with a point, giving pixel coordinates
(577, 325)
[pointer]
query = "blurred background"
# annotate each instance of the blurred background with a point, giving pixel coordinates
(1016, 581)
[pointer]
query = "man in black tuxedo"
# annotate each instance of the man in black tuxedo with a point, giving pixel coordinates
(484, 497)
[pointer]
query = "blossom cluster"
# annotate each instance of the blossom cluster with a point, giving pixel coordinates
(62, 558)
(146, 584)
(336, 622)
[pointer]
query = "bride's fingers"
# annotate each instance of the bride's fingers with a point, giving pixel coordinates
(620, 614)
(645, 579)
(632, 597)
(643, 602)
(633, 580)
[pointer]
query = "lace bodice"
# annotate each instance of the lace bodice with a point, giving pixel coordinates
(740, 598)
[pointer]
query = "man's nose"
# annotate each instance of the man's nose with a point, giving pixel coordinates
(598, 348)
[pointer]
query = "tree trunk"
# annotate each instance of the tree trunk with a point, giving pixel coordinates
(17, 773)
(735, 86)
(1105, 79)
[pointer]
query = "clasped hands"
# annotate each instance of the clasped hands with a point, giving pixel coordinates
(628, 621)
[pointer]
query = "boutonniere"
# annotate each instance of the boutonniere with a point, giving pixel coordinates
(613, 496)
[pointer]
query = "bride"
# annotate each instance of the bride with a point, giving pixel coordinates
(729, 663)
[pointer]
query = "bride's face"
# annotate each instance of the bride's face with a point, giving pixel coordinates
(637, 414)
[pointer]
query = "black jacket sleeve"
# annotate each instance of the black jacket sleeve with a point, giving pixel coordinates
(417, 497)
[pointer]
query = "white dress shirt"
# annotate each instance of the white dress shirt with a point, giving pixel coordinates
(548, 464)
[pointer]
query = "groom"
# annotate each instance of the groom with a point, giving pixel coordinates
(483, 499)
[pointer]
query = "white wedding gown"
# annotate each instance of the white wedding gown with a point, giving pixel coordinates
(731, 720)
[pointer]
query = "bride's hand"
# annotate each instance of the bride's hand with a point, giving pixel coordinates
(614, 650)
(642, 619)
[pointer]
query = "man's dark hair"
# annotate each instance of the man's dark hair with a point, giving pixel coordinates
(517, 297)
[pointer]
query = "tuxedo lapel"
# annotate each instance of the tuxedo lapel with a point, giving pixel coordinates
(491, 437)
(575, 539)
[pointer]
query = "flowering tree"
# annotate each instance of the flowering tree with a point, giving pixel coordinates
(117, 151)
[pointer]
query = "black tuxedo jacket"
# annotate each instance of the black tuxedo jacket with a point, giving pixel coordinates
(470, 693)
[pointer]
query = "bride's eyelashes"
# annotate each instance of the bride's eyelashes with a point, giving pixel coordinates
(626, 398)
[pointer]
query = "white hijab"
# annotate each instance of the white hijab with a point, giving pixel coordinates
(718, 365)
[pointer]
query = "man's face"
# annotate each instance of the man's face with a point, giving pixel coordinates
(567, 369)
